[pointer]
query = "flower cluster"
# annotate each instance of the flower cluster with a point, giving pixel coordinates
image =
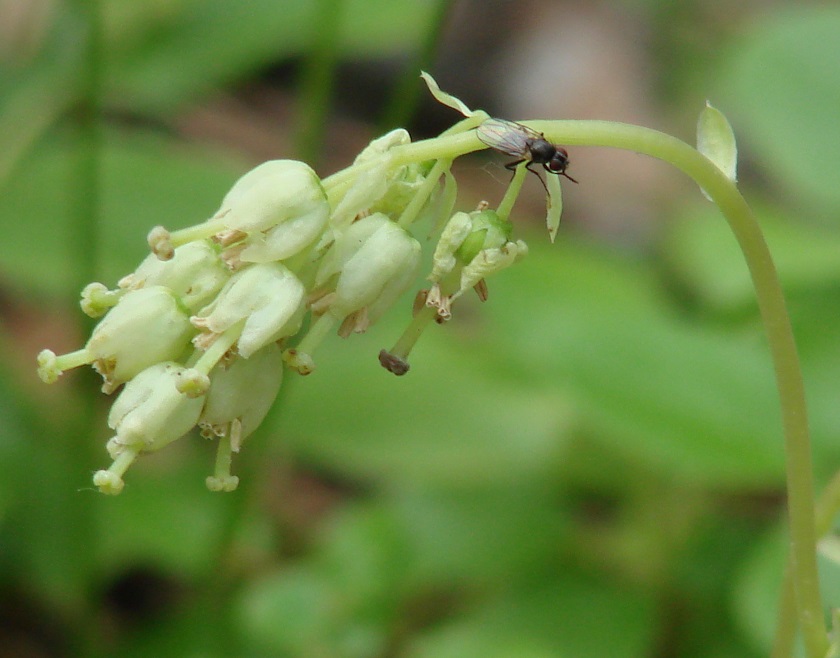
(200, 333)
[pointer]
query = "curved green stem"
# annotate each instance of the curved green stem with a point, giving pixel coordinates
(771, 304)
(506, 204)
(828, 506)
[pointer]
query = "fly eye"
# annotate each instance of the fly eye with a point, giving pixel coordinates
(558, 163)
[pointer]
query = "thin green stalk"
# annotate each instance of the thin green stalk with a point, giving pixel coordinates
(771, 304)
(506, 204)
(317, 79)
(406, 93)
(81, 538)
(828, 506)
(412, 210)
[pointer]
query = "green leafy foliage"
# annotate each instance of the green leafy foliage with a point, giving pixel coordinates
(562, 468)
(780, 87)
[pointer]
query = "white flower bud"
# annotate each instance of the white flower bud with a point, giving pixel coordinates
(268, 296)
(195, 273)
(379, 268)
(288, 238)
(272, 193)
(375, 181)
(451, 238)
(241, 394)
(150, 412)
(347, 243)
(489, 261)
(147, 326)
(97, 299)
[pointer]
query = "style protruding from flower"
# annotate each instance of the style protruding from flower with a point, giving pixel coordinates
(198, 336)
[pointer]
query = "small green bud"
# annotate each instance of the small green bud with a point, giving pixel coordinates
(488, 231)
(465, 236)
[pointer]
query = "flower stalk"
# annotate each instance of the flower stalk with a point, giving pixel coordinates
(340, 250)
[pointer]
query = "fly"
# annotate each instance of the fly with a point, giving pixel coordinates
(526, 144)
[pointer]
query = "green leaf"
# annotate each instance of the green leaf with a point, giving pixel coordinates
(568, 615)
(693, 401)
(210, 43)
(554, 205)
(146, 181)
(443, 98)
(716, 141)
(757, 587)
(448, 422)
(782, 87)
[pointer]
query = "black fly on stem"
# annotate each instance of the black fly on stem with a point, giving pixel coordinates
(526, 144)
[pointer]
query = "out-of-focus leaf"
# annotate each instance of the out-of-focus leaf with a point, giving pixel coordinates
(448, 422)
(686, 399)
(297, 611)
(756, 592)
(563, 616)
(143, 525)
(215, 42)
(145, 182)
(704, 259)
(365, 553)
(782, 89)
(481, 535)
(703, 253)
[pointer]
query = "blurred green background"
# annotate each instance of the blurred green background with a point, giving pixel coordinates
(590, 464)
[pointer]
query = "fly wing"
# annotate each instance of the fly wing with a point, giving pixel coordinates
(505, 136)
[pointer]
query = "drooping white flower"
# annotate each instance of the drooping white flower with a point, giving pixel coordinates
(195, 273)
(151, 412)
(147, 326)
(274, 192)
(372, 263)
(268, 297)
(240, 395)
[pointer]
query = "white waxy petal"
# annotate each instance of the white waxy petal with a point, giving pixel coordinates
(347, 243)
(269, 194)
(195, 273)
(268, 296)
(146, 326)
(286, 239)
(454, 233)
(150, 412)
(243, 391)
(384, 262)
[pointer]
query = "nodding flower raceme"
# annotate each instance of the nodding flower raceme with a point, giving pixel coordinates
(200, 333)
